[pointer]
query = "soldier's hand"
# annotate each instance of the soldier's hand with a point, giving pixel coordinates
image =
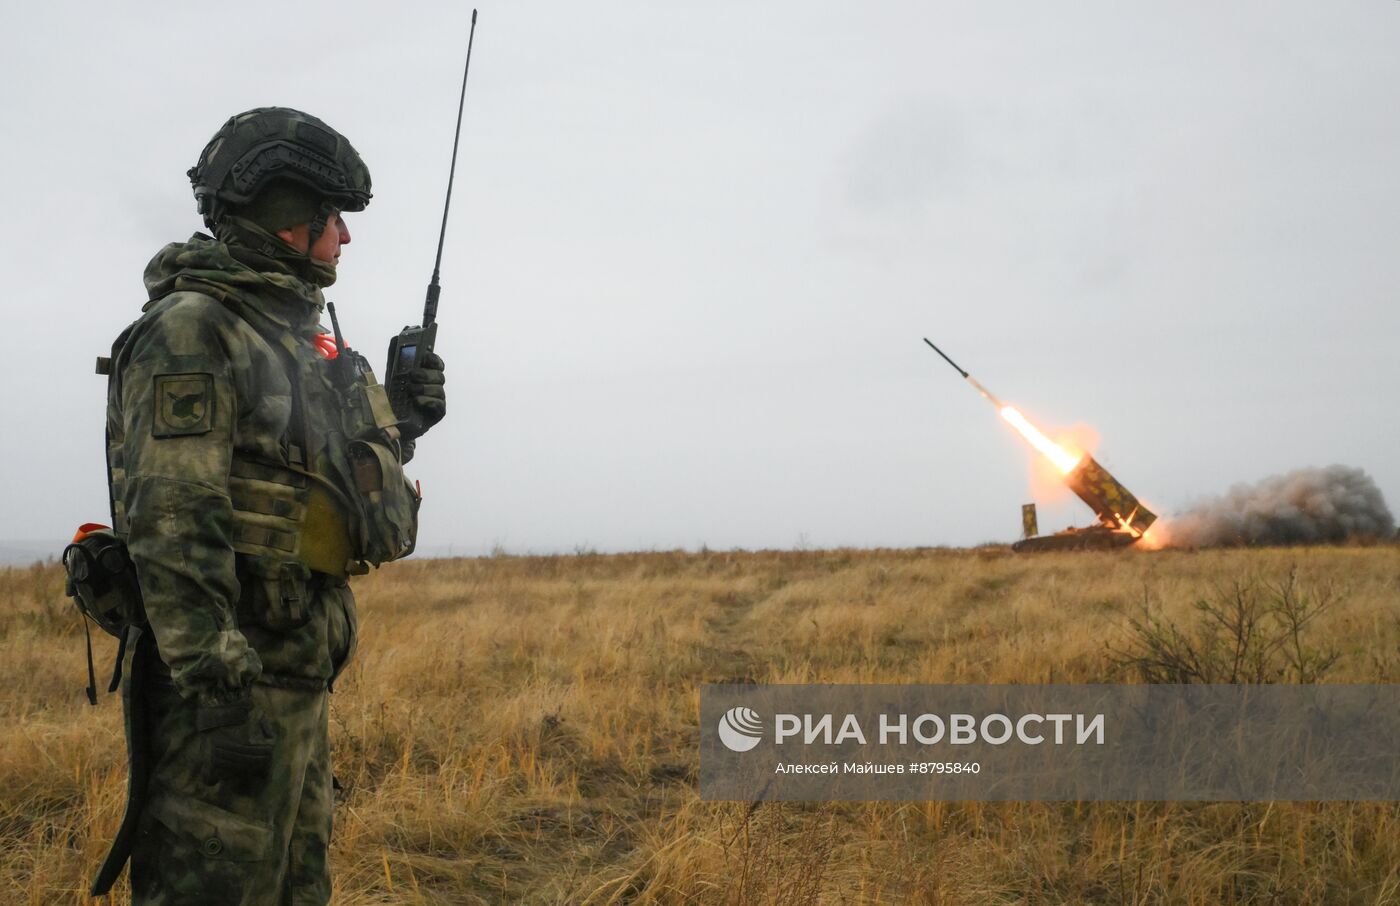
(428, 393)
(240, 740)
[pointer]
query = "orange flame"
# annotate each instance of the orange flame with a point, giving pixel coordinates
(1064, 460)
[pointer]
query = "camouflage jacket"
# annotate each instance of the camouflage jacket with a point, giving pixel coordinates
(221, 416)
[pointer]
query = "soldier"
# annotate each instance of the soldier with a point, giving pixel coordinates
(254, 465)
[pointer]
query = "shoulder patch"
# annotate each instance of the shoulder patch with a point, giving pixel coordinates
(184, 405)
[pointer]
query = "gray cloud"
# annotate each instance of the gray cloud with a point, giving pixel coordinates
(1314, 505)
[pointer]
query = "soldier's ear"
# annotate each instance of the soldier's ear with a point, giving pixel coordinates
(296, 236)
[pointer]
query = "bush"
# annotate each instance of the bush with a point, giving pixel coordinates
(1249, 631)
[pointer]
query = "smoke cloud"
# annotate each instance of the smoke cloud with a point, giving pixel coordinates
(1305, 506)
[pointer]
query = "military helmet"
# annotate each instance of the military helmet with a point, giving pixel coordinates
(258, 146)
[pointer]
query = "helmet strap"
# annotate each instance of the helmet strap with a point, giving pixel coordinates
(317, 226)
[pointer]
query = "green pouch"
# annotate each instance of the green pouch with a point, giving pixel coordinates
(276, 592)
(388, 503)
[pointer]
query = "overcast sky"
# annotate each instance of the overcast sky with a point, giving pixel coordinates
(694, 247)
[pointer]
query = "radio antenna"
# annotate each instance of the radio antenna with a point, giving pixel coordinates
(431, 304)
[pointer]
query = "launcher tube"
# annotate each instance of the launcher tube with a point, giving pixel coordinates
(1114, 504)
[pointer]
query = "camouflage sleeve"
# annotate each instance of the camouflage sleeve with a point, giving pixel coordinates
(178, 407)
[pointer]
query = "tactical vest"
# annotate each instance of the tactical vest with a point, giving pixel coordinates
(339, 504)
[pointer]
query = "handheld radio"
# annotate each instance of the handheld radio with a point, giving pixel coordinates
(413, 344)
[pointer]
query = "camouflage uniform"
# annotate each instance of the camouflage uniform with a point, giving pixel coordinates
(201, 407)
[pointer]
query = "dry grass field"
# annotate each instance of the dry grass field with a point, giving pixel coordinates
(523, 729)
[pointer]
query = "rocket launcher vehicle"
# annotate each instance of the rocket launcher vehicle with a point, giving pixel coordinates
(1122, 517)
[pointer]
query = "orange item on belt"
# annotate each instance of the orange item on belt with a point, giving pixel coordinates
(87, 528)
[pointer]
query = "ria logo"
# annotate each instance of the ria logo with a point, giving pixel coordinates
(740, 729)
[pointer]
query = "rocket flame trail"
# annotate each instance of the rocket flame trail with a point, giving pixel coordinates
(986, 394)
(1064, 460)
